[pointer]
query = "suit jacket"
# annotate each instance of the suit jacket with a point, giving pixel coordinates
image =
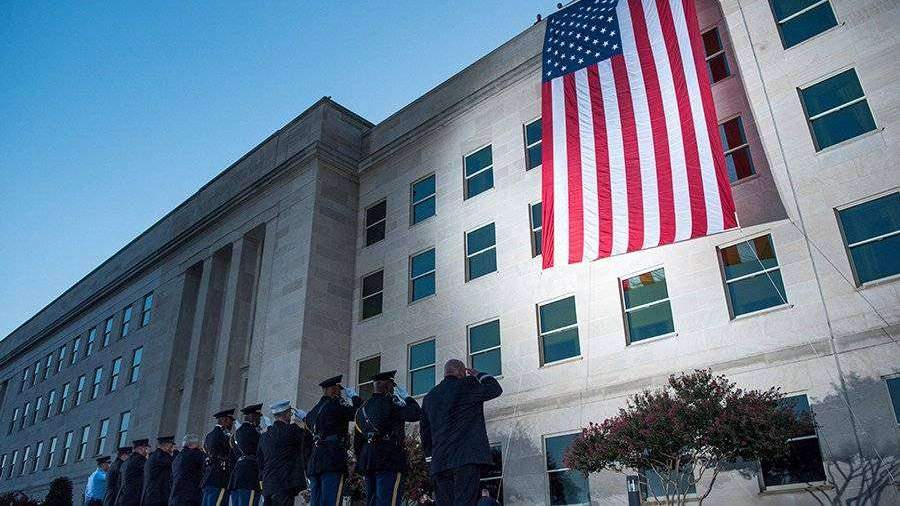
(280, 457)
(379, 433)
(328, 421)
(187, 473)
(453, 430)
(245, 473)
(132, 481)
(218, 452)
(113, 480)
(157, 479)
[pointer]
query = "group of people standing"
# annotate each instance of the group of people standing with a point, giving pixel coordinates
(247, 466)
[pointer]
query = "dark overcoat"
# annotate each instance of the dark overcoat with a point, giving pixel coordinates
(379, 433)
(328, 421)
(187, 473)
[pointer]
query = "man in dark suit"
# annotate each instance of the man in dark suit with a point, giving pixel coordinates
(454, 436)
(158, 473)
(244, 482)
(187, 473)
(280, 457)
(132, 478)
(218, 452)
(114, 476)
(328, 421)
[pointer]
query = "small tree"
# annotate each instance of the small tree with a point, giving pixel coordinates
(16, 498)
(694, 425)
(60, 493)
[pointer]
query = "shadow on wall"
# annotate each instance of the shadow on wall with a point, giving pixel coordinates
(520, 454)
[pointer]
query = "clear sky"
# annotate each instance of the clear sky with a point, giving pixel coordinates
(112, 113)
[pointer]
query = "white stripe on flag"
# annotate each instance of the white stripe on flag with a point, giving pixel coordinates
(617, 178)
(647, 156)
(588, 167)
(560, 175)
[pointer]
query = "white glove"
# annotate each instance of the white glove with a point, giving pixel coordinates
(428, 459)
(350, 392)
(400, 392)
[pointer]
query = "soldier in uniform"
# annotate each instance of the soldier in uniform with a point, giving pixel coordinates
(328, 421)
(244, 484)
(281, 457)
(158, 473)
(187, 473)
(113, 476)
(132, 478)
(218, 451)
(379, 439)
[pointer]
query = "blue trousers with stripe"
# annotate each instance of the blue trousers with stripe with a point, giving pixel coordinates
(384, 488)
(214, 496)
(326, 489)
(245, 498)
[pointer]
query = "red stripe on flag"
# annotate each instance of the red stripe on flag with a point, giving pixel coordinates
(709, 108)
(692, 156)
(601, 148)
(573, 157)
(632, 157)
(546, 175)
(657, 124)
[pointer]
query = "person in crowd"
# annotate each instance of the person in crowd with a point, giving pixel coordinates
(486, 499)
(132, 478)
(454, 437)
(187, 473)
(328, 421)
(379, 439)
(216, 468)
(280, 458)
(95, 490)
(158, 473)
(244, 482)
(113, 476)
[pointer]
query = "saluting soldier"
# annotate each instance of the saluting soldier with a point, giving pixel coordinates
(244, 484)
(187, 473)
(158, 473)
(113, 476)
(218, 451)
(280, 455)
(132, 477)
(328, 421)
(379, 439)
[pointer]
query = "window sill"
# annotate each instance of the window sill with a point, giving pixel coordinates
(425, 220)
(469, 198)
(653, 339)
(767, 310)
(562, 361)
(747, 179)
(796, 487)
(877, 282)
(816, 36)
(370, 318)
(420, 299)
(536, 167)
(483, 276)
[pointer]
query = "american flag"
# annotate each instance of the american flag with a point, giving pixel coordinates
(631, 153)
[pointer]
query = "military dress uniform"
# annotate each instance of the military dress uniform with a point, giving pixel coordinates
(187, 474)
(113, 477)
(328, 421)
(216, 468)
(282, 458)
(132, 478)
(158, 476)
(379, 438)
(244, 488)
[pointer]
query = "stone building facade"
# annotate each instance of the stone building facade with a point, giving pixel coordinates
(339, 246)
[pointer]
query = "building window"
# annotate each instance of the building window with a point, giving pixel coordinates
(479, 172)
(3, 465)
(365, 370)
(95, 386)
(533, 144)
(115, 372)
(91, 339)
(36, 374)
(421, 367)
(481, 252)
(803, 463)
(737, 150)
(38, 407)
(376, 220)
(653, 487)
(26, 414)
(567, 486)
(422, 203)
(126, 321)
(82, 446)
(534, 213)
(558, 326)
(716, 61)
(79, 390)
(893, 386)
(51, 403)
(492, 475)
(122, 434)
(484, 347)
(107, 331)
(76, 347)
(421, 275)
(12, 464)
(26, 378)
(51, 452)
(800, 20)
(836, 109)
(48, 366)
(645, 299)
(26, 459)
(871, 232)
(60, 358)
(64, 398)
(372, 294)
(13, 420)
(67, 449)
(136, 357)
(102, 436)
(38, 453)
(147, 310)
(752, 276)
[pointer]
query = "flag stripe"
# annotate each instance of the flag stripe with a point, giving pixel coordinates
(573, 152)
(604, 202)
(589, 202)
(560, 172)
(547, 176)
(632, 159)
(617, 182)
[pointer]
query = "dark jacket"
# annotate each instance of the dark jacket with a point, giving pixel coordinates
(157, 478)
(453, 431)
(280, 457)
(328, 421)
(131, 481)
(218, 450)
(187, 473)
(379, 433)
(113, 480)
(245, 473)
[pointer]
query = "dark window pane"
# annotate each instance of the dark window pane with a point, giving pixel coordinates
(843, 124)
(739, 164)
(655, 487)
(478, 160)
(372, 306)
(556, 448)
(482, 263)
(368, 368)
(756, 293)
(718, 68)
(534, 156)
(832, 92)
(421, 381)
(423, 188)
(480, 239)
(644, 288)
(712, 43)
(536, 240)
(372, 283)
(423, 287)
(422, 263)
(651, 321)
(486, 335)
(376, 212)
(569, 488)
(871, 219)
(421, 354)
(806, 25)
(479, 183)
(561, 345)
(423, 210)
(748, 257)
(488, 362)
(893, 385)
(877, 260)
(375, 233)
(799, 404)
(536, 216)
(803, 464)
(560, 313)
(732, 133)
(533, 132)
(784, 8)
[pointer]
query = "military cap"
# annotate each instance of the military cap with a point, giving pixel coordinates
(330, 382)
(137, 443)
(280, 407)
(384, 376)
(165, 439)
(224, 413)
(123, 449)
(103, 460)
(253, 408)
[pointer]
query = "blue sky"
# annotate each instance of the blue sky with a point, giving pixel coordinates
(111, 114)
